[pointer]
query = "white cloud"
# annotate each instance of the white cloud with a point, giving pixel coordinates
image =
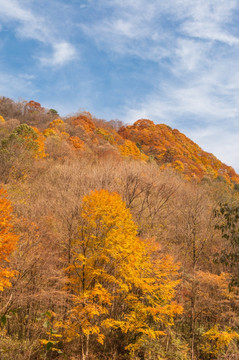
(27, 76)
(28, 24)
(207, 20)
(62, 54)
(33, 26)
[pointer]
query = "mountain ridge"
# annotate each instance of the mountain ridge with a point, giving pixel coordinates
(144, 140)
(171, 148)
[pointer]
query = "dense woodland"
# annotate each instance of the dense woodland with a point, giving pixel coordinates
(116, 242)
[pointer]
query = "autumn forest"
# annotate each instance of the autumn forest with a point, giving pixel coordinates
(116, 241)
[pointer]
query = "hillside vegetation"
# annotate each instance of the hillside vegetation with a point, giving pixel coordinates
(116, 242)
(170, 148)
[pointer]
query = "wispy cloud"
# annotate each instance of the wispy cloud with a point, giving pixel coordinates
(225, 147)
(13, 85)
(207, 20)
(29, 25)
(173, 61)
(138, 20)
(197, 43)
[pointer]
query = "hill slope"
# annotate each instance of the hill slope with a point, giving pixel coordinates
(170, 148)
(143, 140)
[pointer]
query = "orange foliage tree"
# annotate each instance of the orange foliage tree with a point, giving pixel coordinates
(83, 120)
(76, 142)
(34, 106)
(8, 240)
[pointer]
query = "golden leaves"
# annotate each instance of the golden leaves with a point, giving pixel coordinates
(113, 270)
(2, 120)
(215, 340)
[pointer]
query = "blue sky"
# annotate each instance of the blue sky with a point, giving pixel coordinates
(174, 62)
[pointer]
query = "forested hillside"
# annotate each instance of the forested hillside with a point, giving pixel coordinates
(116, 242)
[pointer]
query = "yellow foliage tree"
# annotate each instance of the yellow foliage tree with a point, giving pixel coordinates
(40, 141)
(57, 128)
(129, 149)
(2, 120)
(118, 282)
(57, 123)
(8, 240)
(216, 341)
